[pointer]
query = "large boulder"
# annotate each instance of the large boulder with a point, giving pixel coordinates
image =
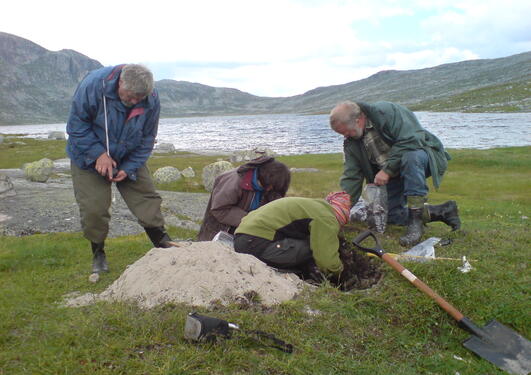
(211, 171)
(39, 171)
(6, 187)
(166, 174)
(165, 148)
(188, 172)
(59, 135)
(247, 155)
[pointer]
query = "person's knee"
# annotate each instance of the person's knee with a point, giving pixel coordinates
(417, 158)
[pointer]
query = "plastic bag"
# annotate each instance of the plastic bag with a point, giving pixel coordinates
(371, 208)
(423, 251)
(225, 238)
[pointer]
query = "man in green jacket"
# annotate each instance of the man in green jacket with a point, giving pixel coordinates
(386, 145)
(295, 232)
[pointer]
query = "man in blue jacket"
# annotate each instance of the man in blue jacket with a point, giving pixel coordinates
(386, 145)
(112, 128)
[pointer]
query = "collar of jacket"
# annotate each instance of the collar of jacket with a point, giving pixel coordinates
(246, 183)
(111, 89)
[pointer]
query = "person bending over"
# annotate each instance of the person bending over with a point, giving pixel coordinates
(241, 190)
(111, 130)
(386, 145)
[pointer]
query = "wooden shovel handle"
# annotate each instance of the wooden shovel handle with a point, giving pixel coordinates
(423, 287)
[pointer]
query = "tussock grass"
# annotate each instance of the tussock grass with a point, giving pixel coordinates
(389, 329)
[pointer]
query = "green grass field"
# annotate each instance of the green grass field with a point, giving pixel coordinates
(389, 329)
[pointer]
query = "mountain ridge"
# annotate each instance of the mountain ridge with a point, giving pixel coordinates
(36, 86)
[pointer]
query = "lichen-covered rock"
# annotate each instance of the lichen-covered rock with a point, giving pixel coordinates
(38, 171)
(188, 172)
(246, 155)
(166, 174)
(59, 135)
(6, 187)
(211, 171)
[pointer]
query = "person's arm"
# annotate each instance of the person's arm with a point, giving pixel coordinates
(352, 179)
(81, 135)
(324, 243)
(140, 155)
(225, 197)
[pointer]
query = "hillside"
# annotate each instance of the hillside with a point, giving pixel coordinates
(36, 86)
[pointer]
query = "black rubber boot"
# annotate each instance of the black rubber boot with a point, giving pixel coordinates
(447, 213)
(99, 260)
(159, 237)
(415, 222)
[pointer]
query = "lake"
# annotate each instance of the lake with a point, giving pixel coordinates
(290, 134)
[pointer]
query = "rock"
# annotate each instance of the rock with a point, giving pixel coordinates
(6, 187)
(56, 135)
(94, 277)
(246, 155)
(211, 171)
(311, 170)
(38, 171)
(165, 148)
(166, 174)
(188, 172)
(1, 138)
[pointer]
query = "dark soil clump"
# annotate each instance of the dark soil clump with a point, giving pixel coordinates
(361, 271)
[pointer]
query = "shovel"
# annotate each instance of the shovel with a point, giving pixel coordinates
(495, 342)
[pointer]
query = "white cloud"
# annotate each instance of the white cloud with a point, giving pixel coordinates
(275, 47)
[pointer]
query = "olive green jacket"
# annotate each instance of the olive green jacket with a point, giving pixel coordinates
(296, 217)
(399, 128)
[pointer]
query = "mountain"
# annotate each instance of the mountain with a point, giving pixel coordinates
(36, 86)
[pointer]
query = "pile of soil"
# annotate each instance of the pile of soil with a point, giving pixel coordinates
(198, 274)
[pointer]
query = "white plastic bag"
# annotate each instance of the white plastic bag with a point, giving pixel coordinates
(371, 208)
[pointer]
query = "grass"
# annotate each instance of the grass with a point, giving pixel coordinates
(390, 329)
(506, 97)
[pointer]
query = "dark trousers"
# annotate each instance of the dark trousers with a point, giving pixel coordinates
(93, 196)
(284, 253)
(414, 169)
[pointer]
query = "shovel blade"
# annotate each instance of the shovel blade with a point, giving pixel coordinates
(503, 347)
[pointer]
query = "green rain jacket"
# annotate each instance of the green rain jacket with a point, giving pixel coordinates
(296, 217)
(401, 130)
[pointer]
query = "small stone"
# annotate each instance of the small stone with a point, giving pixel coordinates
(94, 277)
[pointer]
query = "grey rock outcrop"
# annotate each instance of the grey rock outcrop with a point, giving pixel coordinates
(246, 155)
(188, 172)
(166, 175)
(39, 171)
(211, 171)
(6, 187)
(165, 148)
(56, 135)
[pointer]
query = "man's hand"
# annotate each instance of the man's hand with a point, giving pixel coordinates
(104, 166)
(120, 176)
(381, 178)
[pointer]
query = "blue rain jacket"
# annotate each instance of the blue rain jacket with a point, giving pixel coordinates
(132, 131)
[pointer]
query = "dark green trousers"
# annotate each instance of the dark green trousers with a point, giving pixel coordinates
(93, 195)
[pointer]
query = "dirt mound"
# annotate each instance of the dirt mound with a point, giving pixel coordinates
(197, 274)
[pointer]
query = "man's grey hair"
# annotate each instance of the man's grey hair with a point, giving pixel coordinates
(137, 79)
(344, 113)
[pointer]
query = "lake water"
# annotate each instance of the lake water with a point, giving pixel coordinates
(299, 134)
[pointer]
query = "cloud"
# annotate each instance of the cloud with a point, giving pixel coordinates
(275, 47)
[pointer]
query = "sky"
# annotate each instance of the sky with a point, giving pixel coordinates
(274, 47)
